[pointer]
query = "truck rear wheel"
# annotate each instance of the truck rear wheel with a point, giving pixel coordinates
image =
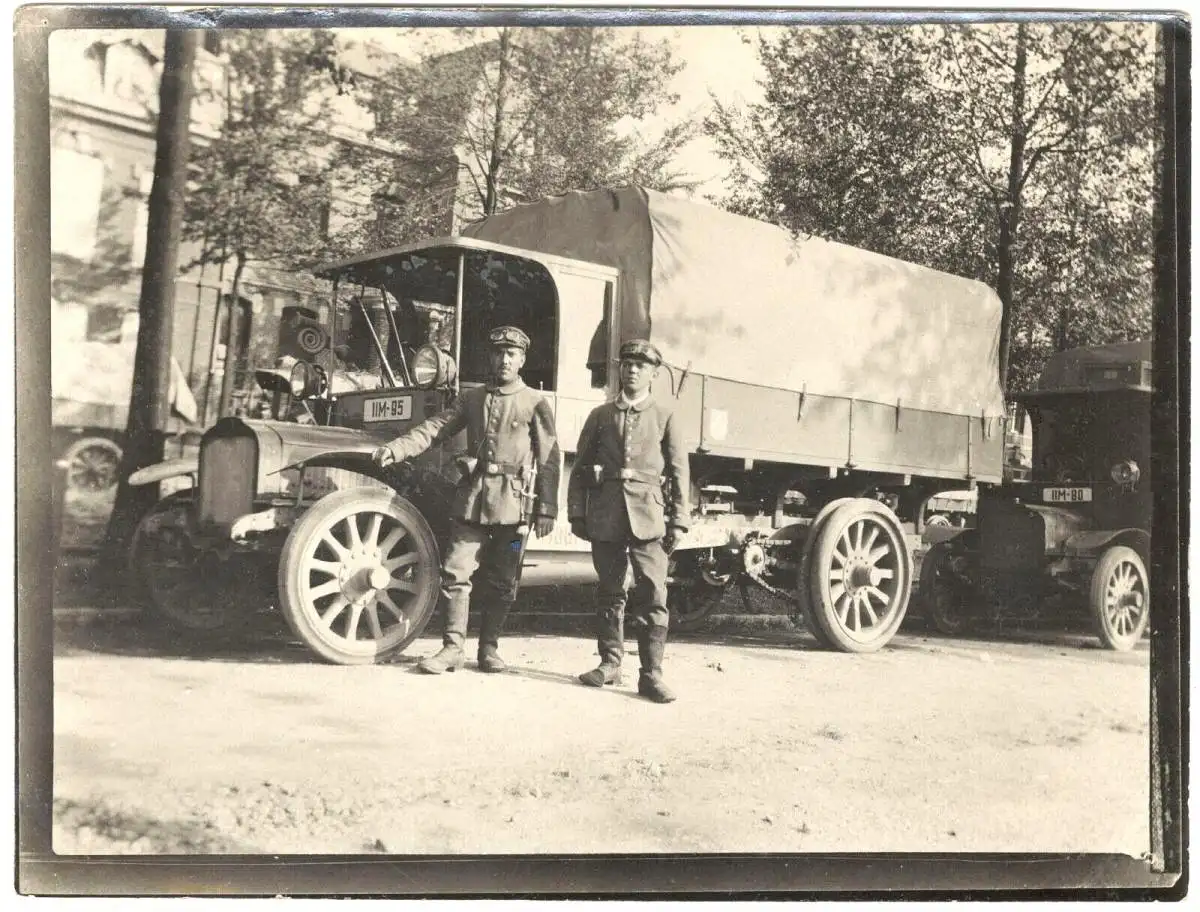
(1120, 598)
(803, 602)
(860, 576)
(358, 577)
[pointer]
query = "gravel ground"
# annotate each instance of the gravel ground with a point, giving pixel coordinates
(168, 744)
(773, 746)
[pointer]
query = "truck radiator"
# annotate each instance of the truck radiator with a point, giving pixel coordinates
(1011, 537)
(228, 476)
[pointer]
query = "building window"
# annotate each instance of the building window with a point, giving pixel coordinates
(105, 324)
(76, 188)
(316, 193)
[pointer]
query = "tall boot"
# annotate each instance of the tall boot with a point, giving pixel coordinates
(489, 638)
(652, 642)
(454, 633)
(610, 641)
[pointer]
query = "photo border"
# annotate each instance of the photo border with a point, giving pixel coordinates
(742, 876)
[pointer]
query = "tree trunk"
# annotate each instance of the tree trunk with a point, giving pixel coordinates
(231, 336)
(1010, 211)
(495, 162)
(149, 408)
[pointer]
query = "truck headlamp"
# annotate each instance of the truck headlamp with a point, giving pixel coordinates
(432, 367)
(307, 380)
(1126, 473)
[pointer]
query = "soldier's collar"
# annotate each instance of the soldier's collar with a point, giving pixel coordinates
(637, 405)
(508, 389)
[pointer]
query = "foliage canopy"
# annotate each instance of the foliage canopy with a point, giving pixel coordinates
(1022, 155)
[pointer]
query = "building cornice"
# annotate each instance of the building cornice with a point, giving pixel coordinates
(143, 126)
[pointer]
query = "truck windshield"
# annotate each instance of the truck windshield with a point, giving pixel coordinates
(498, 290)
(1079, 438)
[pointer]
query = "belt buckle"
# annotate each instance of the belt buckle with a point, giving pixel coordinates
(493, 469)
(626, 474)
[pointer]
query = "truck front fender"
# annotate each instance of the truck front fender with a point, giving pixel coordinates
(1090, 544)
(357, 460)
(161, 471)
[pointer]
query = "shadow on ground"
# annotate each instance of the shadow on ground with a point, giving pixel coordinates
(90, 618)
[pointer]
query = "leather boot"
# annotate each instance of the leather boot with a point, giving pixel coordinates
(451, 657)
(610, 642)
(489, 639)
(651, 644)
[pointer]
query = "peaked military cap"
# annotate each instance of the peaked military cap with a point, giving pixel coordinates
(640, 350)
(509, 335)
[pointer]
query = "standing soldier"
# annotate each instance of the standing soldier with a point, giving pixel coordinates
(617, 499)
(509, 479)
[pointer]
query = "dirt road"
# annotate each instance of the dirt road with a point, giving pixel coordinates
(930, 745)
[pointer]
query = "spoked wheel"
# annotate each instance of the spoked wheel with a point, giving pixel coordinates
(1120, 598)
(941, 599)
(198, 590)
(811, 621)
(698, 591)
(860, 575)
(358, 578)
(93, 464)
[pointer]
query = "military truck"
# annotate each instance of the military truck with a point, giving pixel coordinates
(1075, 537)
(825, 394)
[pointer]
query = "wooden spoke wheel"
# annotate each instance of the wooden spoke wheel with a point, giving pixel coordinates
(1120, 598)
(359, 576)
(93, 464)
(811, 621)
(859, 576)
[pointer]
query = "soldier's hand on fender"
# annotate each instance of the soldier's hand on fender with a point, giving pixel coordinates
(383, 457)
(543, 526)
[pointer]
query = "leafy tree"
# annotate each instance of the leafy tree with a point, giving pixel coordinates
(258, 191)
(1017, 154)
(525, 112)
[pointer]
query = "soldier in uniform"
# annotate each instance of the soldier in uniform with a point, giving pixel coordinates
(617, 499)
(511, 445)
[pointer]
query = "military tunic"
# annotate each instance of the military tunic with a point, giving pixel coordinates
(626, 451)
(510, 429)
(636, 447)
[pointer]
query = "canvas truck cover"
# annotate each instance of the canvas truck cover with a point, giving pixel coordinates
(743, 300)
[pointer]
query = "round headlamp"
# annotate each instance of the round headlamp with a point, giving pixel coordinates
(1126, 473)
(306, 380)
(432, 367)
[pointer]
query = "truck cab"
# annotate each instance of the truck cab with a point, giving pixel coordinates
(1076, 532)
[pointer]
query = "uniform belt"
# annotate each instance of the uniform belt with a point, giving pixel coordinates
(633, 475)
(502, 468)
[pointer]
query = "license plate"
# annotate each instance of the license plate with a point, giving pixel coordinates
(391, 408)
(1067, 495)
